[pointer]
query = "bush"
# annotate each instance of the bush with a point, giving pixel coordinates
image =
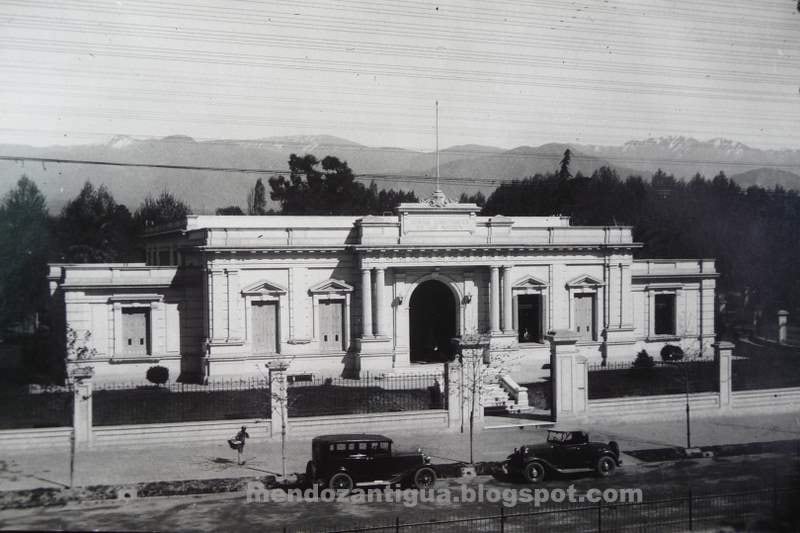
(157, 375)
(670, 352)
(643, 360)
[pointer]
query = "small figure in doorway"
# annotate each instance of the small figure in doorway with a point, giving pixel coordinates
(237, 443)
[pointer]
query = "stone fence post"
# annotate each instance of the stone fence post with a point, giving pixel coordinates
(783, 324)
(723, 353)
(569, 374)
(279, 398)
(81, 383)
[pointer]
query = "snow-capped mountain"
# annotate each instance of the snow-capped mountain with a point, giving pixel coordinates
(391, 167)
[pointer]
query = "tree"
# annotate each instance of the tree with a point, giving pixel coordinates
(230, 210)
(93, 228)
(563, 172)
(477, 198)
(24, 249)
(162, 210)
(476, 372)
(257, 199)
(328, 187)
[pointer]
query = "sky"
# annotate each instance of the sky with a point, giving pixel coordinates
(505, 73)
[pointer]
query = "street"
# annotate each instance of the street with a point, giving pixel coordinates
(231, 511)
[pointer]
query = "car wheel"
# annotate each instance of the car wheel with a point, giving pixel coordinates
(534, 472)
(341, 482)
(606, 466)
(424, 478)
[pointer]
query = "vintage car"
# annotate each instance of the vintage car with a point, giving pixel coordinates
(340, 462)
(565, 451)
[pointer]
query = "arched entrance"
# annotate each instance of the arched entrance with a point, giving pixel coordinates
(432, 321)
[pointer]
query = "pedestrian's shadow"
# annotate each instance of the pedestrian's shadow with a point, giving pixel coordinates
(230, 462)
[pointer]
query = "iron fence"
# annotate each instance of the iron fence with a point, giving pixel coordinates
(769, 509)
(367, 394)
(32, 406)
(624, 379)
(137, 403)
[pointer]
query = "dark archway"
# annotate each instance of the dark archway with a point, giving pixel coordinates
(432, 322)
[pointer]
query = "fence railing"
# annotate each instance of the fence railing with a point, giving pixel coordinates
(775, 508)
(368, 394)
(35, 407)
(617, 380)
(137, 403)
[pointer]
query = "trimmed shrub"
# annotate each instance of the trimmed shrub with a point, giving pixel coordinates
(670, 352)
(157, 375)
(643, 360)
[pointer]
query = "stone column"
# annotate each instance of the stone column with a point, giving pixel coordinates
(569, 376)
(82, 387)
(279, 398)
(366, 303)
(380, 315)
(723, 353)
(494, 287)
(783, 322)
(454, 393)
(508, 324)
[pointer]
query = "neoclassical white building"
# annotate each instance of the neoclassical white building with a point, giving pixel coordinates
(223, 295)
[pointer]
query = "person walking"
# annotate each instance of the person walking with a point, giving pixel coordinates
(237, 443)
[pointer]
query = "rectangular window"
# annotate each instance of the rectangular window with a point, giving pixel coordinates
(529, 317)
(136, 331)
(665, 314)
(163, 258)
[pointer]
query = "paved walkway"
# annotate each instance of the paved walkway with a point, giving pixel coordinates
(50, 468)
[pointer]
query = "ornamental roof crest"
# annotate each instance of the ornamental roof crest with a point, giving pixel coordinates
(437, 200)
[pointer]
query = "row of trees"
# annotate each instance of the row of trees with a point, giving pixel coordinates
(753, 234)
(91, 228)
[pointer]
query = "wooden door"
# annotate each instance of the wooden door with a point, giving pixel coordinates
(331, 327)
(265, 327)
(584, 316)
(134, 331)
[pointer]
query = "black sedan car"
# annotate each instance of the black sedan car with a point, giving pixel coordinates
(564, 451)
(340, 462)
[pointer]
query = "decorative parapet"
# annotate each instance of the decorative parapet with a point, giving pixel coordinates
(665, 268)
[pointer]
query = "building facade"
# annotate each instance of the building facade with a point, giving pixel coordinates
(223, 295)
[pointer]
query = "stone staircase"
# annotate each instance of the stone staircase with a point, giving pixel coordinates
(495, 396)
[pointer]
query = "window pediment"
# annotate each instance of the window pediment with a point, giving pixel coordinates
(330, 286)
(263, 287)
(529, 282)
(584, 281)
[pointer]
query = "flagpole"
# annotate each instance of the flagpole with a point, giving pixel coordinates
(437, 145)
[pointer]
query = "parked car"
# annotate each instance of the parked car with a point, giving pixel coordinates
(565, 451)
(342, 461)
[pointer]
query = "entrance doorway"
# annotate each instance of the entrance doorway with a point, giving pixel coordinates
(432, 322)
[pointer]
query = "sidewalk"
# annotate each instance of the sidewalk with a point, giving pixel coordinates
(120, 466)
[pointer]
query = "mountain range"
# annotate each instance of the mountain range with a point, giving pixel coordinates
(464, 168)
